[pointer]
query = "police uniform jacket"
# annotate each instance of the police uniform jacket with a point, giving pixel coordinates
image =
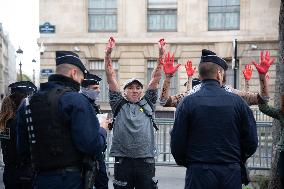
(74, 109)
(213, 126)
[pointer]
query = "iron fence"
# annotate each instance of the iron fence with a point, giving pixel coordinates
(261, 160)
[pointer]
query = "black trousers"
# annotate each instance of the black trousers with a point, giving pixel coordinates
(281, 167)
(213, 176)
(138, 173)
(17, 178)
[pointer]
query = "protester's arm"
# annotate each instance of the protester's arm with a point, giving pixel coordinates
(86, 132)
(269, 110)
(190, 71)
(110, 73)
(169, 70)
(179, 135)
(247, 72)
(262, 68)
(156, 77)
(250, 97)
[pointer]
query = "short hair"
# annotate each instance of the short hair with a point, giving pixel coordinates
(64, 69)
(208, 70)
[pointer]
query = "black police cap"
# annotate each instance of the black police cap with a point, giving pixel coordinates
(209, 56)
(91, 79)
(68, 57)
(22, 87)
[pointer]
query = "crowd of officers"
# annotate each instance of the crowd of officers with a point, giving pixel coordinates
(52, 138)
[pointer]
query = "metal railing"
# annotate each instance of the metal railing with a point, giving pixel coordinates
(261, 160)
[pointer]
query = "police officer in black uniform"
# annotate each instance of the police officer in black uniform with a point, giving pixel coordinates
(58, 127)
(214, 131)
(17, 173)
(91, 90)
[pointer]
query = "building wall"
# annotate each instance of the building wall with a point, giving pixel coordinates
(134, 45)
(7, 64)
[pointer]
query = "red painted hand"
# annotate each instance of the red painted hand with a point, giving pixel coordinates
(189, 69)
(265, 63)
(110, 45)
(168, 64)
(247, 72)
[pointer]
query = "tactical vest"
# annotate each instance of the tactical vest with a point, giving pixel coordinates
(52, 146)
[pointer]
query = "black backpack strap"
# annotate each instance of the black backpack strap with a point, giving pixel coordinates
(117, 109)
(119, 106)
(142, 103)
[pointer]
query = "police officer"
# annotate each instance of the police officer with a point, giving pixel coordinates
(58, 126)
(17, 172)
(91, 90)
(214, 131)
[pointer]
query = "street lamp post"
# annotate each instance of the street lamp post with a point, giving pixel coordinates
(33, 61)
(20, 53)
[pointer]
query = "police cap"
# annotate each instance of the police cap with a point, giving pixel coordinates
(68, 57)
(209, 56)
(91, 79)
(26, 87)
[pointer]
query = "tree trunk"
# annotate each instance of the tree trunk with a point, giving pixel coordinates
(279, 89)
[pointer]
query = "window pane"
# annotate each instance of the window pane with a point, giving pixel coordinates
(170, 22)
(215, 21)
(102, 15)
(232, 20)
(162, 20)
(162, 2)
(223, 14)
(217, 2)
(233, 2)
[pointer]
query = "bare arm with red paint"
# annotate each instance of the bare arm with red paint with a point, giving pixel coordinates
(262, 68)
(110, 73)
(156, 74)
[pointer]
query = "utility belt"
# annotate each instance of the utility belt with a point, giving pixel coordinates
(146, 160)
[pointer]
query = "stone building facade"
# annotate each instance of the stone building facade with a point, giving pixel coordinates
(7, 63)
(187, 25)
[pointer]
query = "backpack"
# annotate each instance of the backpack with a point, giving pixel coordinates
(141, 103)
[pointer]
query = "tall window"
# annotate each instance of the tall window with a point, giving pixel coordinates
(102, 15)
(162, 15)
(151, 64)
(97, 67)
(223, 14)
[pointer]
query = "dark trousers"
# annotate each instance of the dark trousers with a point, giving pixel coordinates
(101, 181)
(17, 178)
(281, 167)
(212, 176)
(138, 173)
(59, 180)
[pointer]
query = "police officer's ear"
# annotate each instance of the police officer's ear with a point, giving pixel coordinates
(220, 75)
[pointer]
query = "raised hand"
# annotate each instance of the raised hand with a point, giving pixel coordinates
(110, 45)
(168, 64)
(162, 43)
(265, 63)
(189, 69)
(247, 72)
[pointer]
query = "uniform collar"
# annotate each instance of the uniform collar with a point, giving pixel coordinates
(210, 82)
(65, 81)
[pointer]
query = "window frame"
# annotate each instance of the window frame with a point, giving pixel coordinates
(224, 10)
(170, 9)
(102, 12)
